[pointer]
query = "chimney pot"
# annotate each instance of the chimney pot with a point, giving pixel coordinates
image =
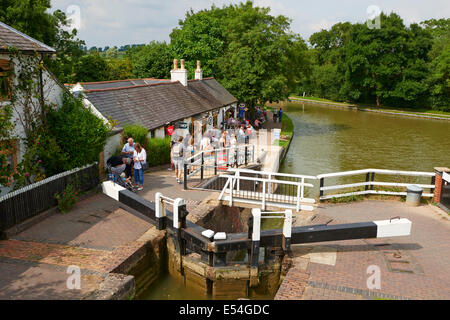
(179, 74)
(199, 72)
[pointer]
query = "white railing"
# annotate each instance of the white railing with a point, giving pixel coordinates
(223, 158)
(197, 157)
(370, 183)
(292, 197)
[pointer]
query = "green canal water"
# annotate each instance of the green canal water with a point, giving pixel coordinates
(329, 139)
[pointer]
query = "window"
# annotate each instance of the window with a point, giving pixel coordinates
(5, 81)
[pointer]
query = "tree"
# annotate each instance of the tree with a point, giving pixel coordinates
(199, 37)
(439, 81)
(119, 69)
(33, 19)
(252, 53)
(151, 61)
(386, 64)
(112, 53)
(92, 67)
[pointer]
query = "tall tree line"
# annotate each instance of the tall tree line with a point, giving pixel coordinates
(257, 57)
(394, 65)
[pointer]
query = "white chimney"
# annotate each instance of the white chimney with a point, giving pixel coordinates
(179, 74)
(198, 72)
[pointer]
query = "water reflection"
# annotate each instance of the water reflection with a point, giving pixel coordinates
(330, 140)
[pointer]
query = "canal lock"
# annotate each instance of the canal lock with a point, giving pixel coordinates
(191, 272)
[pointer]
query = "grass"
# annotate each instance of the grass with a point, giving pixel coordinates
(281, 143)
(384, 108)
(287, 129)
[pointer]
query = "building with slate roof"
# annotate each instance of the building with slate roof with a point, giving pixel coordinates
(191, 106)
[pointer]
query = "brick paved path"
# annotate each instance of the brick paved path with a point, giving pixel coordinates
(414, 267)
(99, 235)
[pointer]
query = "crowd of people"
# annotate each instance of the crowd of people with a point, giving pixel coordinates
(235, 131)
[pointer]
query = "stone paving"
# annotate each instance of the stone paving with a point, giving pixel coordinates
(413, 267)
(99, 235)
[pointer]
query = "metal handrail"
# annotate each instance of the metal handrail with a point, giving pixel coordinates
(369, 183)
(220, 150)
(381, 171)
(278, 174)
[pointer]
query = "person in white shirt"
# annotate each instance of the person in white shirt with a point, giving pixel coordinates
(139, 157)
(178, 151)
(205, 141)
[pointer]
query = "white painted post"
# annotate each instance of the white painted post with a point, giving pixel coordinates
(303, 188)
(231, 192)
(270, 185)
(287, 229)
(176, 206)
(238, 174)
(256, 235)
(264, 196)
(298, 197)
(159, 206)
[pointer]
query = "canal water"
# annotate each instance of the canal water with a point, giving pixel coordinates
(329, 139)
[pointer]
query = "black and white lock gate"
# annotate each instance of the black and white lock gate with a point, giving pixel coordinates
(214, 252)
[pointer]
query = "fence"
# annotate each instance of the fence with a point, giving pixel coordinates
(209, 163)
(382, 187)
(267, 189)
(25, 203)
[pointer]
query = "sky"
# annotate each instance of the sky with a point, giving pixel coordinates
(119, 22)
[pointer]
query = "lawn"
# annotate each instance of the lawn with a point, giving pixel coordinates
(383, 108)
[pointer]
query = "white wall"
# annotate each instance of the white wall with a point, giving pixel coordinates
(52, 94)
(112, 144)
(159, 133)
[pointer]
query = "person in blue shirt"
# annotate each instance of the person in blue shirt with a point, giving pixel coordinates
(280, 114)
(241, 112)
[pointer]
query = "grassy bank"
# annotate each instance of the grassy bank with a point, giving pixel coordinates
(287, 130)
(362, 106)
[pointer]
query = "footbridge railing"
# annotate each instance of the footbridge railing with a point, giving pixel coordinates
(267, 189)
(375, 187)
(209, 163)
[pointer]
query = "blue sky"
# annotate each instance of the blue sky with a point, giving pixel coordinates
(119, 22)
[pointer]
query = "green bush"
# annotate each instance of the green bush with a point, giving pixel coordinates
(138, 133)
(67, 198)
(158, 151)
(79, 134)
